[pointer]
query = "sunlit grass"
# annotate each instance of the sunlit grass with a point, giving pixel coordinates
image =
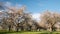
(28, 32)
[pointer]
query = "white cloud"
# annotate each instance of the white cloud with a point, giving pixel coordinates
(36, 16)
(18, 6)
(8, 4)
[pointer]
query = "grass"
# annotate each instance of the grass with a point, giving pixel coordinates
(28, 32)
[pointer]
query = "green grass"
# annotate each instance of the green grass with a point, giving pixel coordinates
(28, 32)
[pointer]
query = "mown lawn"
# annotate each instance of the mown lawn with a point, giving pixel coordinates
(26, 32)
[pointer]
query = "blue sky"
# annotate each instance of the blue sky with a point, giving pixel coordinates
(35, 6)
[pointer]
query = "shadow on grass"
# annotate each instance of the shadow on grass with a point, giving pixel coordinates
(10, 32)
(45, 33)
(49, 33)
(7, 32)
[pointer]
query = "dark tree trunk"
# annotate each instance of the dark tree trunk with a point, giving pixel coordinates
(9, 27)
(21, 28)
(51, 28)
(17, 29)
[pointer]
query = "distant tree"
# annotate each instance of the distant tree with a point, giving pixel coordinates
(51, 19)
(11, 16)
(27, 20)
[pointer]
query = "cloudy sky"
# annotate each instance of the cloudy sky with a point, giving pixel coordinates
(35, 6)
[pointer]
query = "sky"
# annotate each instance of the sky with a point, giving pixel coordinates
(35, 6)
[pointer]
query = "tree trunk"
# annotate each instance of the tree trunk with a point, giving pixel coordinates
(9, 27)
(51, 28)
(17, 29)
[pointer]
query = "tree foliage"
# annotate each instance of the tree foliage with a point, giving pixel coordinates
(50, 18)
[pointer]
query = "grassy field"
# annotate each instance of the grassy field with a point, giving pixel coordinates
(26, 32)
